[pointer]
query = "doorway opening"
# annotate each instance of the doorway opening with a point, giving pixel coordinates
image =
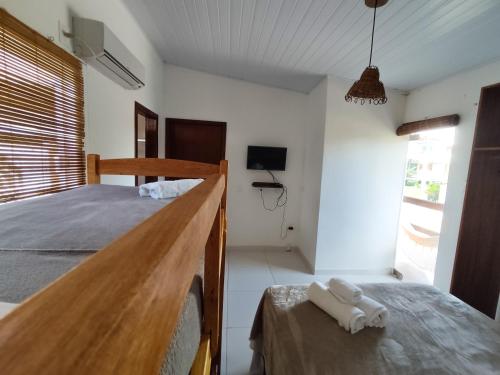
(424, 195)
(146, 138)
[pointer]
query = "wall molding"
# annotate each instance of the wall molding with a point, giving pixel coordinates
(428, 124)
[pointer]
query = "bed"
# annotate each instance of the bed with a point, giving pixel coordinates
(78, 248)
(429, 332)
(44, 238)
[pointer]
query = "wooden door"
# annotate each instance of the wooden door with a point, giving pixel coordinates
(476, 274)
(195, 140)
(146, 138)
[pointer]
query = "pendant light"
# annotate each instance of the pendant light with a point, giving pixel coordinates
(369, 88)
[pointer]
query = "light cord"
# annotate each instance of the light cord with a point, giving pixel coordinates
(373, 32)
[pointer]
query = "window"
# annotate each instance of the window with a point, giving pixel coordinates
(41, 114)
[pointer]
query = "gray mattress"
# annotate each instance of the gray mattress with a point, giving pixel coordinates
(86, 218)
(428, 332)
(43, 238)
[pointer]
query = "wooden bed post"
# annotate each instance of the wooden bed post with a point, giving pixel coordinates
(93, 176)
(214, 278)
(223, 170)
(211, 292)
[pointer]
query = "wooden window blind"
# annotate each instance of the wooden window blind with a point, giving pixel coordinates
(41, 114)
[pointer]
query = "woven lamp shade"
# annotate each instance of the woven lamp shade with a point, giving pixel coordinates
(368, 88)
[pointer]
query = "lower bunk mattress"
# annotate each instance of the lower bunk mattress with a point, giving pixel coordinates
(41, 239)
(428, 332)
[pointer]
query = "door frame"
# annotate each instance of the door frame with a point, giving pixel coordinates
(139, 109)
(169, 121)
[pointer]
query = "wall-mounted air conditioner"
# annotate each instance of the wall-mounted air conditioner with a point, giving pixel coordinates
(99, 47)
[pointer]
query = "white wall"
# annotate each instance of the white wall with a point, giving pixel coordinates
(314, 132)
(109, 108)
(255, 115)
(362, 182)
(457, 94)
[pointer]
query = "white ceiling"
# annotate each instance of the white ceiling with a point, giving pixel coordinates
(293, 43)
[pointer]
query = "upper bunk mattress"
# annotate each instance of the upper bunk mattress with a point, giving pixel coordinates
(43, 238)
(428, 332)
(83, 219)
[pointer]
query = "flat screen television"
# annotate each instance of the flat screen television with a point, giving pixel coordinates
(266, 158)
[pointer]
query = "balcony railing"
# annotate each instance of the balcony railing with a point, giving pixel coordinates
(423, 203)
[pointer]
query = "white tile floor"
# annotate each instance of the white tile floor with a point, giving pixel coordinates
(248, 273)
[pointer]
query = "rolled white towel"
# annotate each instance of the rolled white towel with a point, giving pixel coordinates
(145, 189)
(168, 189)
(345, 291)
(172, 189)
(376, 313)
(349, 317)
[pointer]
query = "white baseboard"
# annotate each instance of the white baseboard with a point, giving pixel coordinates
(309, 266)
(380, 271)
(295, 249)
(257, 248)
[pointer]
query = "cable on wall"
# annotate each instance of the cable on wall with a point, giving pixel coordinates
(281, 202)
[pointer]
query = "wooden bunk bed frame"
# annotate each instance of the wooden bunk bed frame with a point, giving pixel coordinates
(116, 313)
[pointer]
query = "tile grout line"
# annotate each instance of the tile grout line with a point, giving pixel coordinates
(225, 354)
(275, 280)
(269, 267)
(238, 326)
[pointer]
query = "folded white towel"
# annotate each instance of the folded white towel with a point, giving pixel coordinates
(376, 313)
(145, 189)
(345, 291)
(349, 317)
(168, 189)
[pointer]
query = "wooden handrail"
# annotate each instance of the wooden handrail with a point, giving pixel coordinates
(117, 311)
(147, 167)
